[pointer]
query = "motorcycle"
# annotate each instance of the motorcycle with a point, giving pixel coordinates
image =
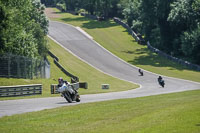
(69, 92)
(141, 72)
(162, 83)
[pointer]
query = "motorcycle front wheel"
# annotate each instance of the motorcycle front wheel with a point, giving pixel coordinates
(68, 97)
(78, 99)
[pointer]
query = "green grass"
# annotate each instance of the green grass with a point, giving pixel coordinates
(86, 73)
(117, 40)
(177, 113)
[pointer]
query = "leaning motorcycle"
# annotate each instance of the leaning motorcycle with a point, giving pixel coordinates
(69, 92)
(162, 83)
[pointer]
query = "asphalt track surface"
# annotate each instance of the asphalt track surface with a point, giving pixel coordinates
(86, 49)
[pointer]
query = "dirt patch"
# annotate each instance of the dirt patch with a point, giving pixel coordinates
(50, 13)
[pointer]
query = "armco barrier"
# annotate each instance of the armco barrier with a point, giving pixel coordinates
(56, 61)
(20, 90)
(53, 56)
(65, 71)
(130, 31)
(174, 59)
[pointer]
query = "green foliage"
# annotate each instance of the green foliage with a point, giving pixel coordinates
(61, 6)
(51, 2)
(166, 23)
(132, 12)
(190, 44)
(185, 20)
(23, 27)
(106, 8)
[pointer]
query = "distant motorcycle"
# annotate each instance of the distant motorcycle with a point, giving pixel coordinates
(69, 93)
(141, 72)
(161, 81)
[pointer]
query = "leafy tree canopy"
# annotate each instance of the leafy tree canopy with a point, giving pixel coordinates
(23, 27)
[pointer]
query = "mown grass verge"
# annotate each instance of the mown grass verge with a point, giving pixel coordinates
(177, 113)
(117, 40)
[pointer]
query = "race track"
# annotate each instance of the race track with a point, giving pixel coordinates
(92, 53)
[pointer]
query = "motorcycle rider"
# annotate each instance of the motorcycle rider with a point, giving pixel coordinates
(159, 79)
(61, 82)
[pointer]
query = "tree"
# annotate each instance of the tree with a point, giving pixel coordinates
(23, 28)
(185, 19)
(132, 12)
(190, 44)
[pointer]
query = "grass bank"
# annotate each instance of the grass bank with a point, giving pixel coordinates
(117, 40)
(177, 113)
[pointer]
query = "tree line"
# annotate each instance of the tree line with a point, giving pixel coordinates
(23, 28)
(106, 8)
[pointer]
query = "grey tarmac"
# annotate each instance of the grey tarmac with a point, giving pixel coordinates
(89, 51)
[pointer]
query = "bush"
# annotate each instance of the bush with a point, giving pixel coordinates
(61, 7)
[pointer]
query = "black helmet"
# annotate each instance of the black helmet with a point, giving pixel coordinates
(60, 80)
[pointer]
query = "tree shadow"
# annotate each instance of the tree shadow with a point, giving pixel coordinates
(198, 124)
(146, 57)
(126, 31)
(137, 51)
(79, 19)
(56, 12)
(91, 24)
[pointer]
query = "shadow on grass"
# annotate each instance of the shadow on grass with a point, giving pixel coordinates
(198, 124)
(77, 19)
(137, 51)
(91, 24)
(126, 31)
(148, 58)
(58, 12)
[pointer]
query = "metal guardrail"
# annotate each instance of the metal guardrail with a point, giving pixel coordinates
(56, 61)
(20, 90)
(137, 37)
(174, 59)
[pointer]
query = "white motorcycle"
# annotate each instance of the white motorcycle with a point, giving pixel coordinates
(70, 92)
